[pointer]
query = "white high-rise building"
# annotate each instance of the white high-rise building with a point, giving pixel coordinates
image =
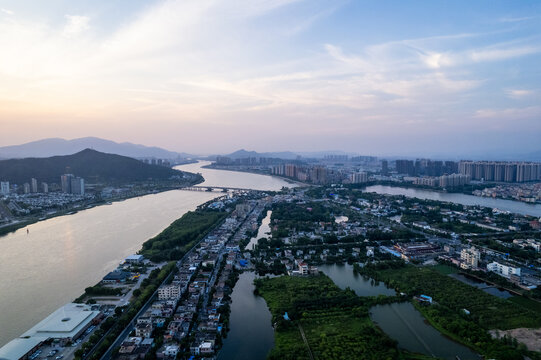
(78, 186)
(34, 185)
(4, 187)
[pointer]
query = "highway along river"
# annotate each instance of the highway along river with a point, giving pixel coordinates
(60, 257)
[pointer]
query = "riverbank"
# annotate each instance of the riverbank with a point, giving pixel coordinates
(8, 228)
(286, 179)
(462, 312)
(510, 206)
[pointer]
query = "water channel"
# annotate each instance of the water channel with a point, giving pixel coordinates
(60, 257)
(401, 321)
(470, 200)
(251, 335)
(490, 289)
(344, 276)
(262, 232)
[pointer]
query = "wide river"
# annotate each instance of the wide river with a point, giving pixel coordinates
(60, 257)
(470, 200)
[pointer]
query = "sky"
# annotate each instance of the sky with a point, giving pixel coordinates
(408, 78)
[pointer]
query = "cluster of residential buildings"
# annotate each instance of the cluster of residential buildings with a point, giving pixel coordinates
(499, 171)
(31, 187)
(444, 181)
(425, 167)
(191, 307)
(530, 192)
(304, 173)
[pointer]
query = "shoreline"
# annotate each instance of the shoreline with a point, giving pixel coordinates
(286, 179)
(13, 227)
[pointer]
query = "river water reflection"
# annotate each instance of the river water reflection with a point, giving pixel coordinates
(60, 257)
(344, 276)
(262, 232)
(251, 335)
(470, 200)
(402, 322)
(490, 289)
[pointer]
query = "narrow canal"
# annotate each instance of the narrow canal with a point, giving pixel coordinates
(263, 231)
(251, 336)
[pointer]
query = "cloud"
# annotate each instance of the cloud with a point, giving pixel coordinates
(518, 93)
(6, 11)
(510, 114)
(75, 25)
(496, 54)
(517, 19)
(210, 61)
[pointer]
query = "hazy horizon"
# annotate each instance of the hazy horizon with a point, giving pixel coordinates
(438, 79)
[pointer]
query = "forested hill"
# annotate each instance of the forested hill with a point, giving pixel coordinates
(93, 166)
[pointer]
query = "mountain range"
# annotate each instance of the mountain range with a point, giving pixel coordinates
(92, 165)
(56, 146)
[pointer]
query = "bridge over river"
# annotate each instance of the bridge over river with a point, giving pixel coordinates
(214, 188)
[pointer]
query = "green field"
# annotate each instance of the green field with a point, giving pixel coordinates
(487, 310)
(451, 297)
(527, 303)
(444, 269)
(335, 322)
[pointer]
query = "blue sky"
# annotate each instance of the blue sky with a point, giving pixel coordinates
(375, 77)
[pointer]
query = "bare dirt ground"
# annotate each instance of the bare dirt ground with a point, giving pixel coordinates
(529, 337)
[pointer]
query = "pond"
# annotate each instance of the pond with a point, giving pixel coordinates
(403, 323)
(344, 276)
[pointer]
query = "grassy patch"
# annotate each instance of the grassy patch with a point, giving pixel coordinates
(445, 269)
(335, 322)
(527, 303)
(487, 310)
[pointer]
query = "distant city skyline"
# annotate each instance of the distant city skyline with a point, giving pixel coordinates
(436, 79)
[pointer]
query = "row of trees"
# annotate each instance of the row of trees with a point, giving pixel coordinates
(181, 235)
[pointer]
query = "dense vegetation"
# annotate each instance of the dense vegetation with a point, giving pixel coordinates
(98, 290)
(181, 235)
(489, 311)
(335, 322)
(89, 164)
(299, 217)
(451, 298)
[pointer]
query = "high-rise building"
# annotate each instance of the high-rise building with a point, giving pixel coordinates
(291, 170)
(44, 188)
(34, 185)
(384, 167)
(319, 175)
(501, 171)
(72, 184)
(359, 178)
(4, 187)
(66, 183)
(77, 186)
(405, 167)
(26, 188)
